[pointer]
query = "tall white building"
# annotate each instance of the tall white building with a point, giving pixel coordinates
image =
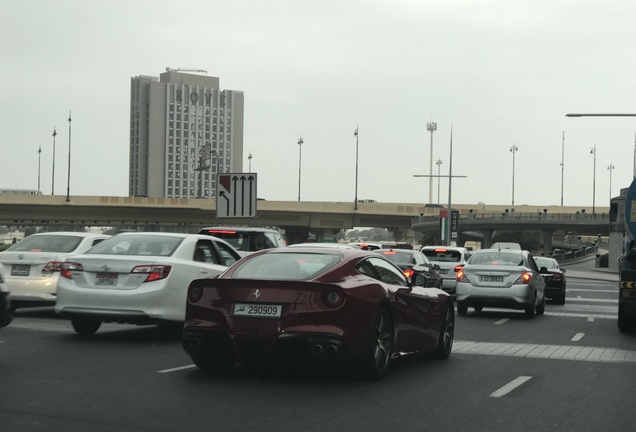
(183, 131)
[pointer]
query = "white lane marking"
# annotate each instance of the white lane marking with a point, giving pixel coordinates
(177, 369)
(510, 386)
(551, 352)
(580, 315)
(577, 337)
(581, 299)
(590, 319)
(592, 290)
(501, 321)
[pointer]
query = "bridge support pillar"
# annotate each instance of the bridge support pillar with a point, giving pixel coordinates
(403, 234)
(547, 242)
(487, 241)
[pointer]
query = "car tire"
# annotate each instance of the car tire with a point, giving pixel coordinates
(540, 309)
(379, 351)
(560, 300)
(531, 309)
(462, 309)
(85, 326)
(625, 322)
(446, 333)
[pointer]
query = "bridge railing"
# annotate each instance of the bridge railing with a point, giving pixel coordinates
(522, 216)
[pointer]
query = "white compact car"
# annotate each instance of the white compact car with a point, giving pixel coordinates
(507, 278)
(31, 267)
(450, 260)
(138, 278)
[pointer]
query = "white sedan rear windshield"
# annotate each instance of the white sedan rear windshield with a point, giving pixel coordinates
(47, 243)
(286, 266)
(142, 244)
(495, 258)
(442, 255)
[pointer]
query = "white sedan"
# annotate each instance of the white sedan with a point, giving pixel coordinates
(31, 267)
(138, 278)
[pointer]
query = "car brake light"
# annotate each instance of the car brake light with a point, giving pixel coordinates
(440, 250)
(52, 266)
(389, 252)
(458, 267)
(461, 277)
(68, 268)
(556, 276)
(408, 273)
(155, 272)
(221, 232)
(524, 279)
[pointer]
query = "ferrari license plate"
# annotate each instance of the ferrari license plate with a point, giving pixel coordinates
(106, 279)
(491, 278)
(257, 310)
(20, 269)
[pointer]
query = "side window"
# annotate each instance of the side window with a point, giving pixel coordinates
(204, 252)
(98, 240)
(367, 269)
(388, 273)
(228, 255)
(270, 240)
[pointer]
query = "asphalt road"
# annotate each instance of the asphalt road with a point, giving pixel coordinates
(569, 370)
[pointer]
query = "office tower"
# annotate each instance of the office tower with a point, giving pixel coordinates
(183, 131)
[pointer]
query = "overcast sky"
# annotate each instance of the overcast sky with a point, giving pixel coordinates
(496, 73)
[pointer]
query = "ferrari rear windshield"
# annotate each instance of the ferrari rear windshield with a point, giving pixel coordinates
(286, 266)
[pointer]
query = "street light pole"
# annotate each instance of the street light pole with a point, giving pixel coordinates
(562, 164)
(300, 160)
(53, 176)
(39, 164)
(249, 158)
(355, 201)
(610, 167)
(431, 127)
(513, 150)
(216, 173)
(593, 152)
(68, 184)
(438, 163)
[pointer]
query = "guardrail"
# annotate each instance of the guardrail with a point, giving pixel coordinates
(522, 216)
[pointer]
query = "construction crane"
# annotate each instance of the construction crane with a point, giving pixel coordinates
(185, 70)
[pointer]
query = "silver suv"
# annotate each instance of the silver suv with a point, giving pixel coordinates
(449, 259)
(247, 239)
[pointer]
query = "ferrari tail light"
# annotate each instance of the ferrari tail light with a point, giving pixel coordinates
(332, 297)
(408, 273)
(524, 279)
(155, 271)
(52, 266)
(461, 277)
(68, 268)
(459, 267)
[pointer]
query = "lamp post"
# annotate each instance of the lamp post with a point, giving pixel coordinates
(438, 163)
(562, 164)
(39, 162)
(249, 159)
(513, 150)
(68, 184)
(610, 115)
(355, 201)
(300, 161)
(610, 167)
(53, 176)
(216, 172)
(593, 153)
(431, 127)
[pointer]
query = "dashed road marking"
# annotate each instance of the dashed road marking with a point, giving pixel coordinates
(177, 369)
(577, 337)
(553, 352)
(510, 386)
(501, 321)
(590, 319)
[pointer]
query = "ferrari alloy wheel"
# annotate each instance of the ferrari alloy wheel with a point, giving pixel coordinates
(85, 326)
(379, 351)
(446, 333)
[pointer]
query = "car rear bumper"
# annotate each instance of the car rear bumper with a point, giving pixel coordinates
(252, 347)
(515, 297)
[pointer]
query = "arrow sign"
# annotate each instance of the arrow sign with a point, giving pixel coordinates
(236, 195)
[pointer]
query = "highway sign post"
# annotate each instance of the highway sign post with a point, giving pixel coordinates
(237, 195)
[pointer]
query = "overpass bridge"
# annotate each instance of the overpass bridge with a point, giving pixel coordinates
(298, 218)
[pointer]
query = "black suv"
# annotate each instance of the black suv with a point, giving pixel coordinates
(247, 239)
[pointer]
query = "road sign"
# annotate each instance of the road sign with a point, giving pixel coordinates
(237, 195)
